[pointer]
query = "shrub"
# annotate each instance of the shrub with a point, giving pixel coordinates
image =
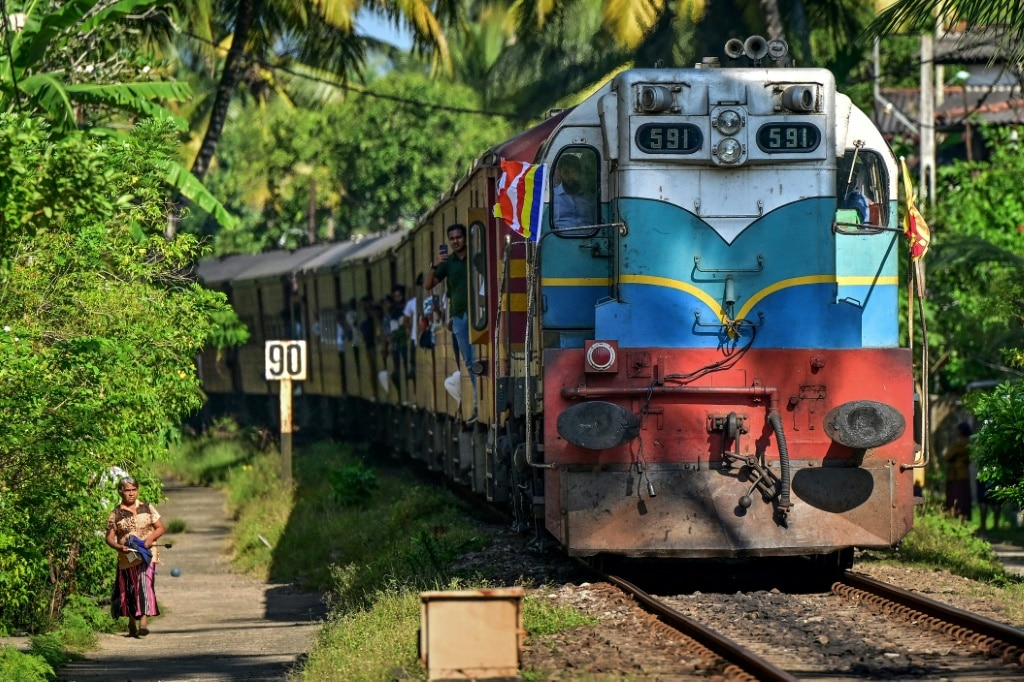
(352, 484)
(15, 665)
(943, 540)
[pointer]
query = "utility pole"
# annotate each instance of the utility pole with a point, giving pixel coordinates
(927, 120)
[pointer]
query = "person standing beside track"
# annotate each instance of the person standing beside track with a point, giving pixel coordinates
(958, 473)
(130, 525)
(454, 268)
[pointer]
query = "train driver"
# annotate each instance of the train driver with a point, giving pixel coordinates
(856, 200)
(572, 207)
(854, 188)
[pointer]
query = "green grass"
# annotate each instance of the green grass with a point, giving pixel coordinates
(176, 526)
(346, 527)
(940, 540)
(209, 459)
(944, 541)
(369, 644)
(541, 617)
(73, 634)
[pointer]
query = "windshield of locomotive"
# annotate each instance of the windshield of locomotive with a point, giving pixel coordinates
(575, 195)
(862, 189)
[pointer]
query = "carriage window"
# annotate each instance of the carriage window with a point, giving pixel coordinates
(575, 193)
(862, 189)
(478, 276)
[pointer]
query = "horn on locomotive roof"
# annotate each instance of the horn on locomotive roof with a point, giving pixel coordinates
(755, 48)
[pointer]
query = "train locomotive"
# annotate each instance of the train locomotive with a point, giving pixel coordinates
(707, 364)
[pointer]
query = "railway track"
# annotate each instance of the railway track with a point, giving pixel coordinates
(991, 637)
(863, 629)
(740, 662)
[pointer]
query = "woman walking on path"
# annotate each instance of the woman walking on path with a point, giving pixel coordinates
(132, 529)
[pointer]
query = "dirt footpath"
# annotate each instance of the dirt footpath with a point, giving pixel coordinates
(216, 625)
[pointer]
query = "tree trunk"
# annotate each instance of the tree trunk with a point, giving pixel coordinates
(772, 19)
(225, 91)
(226, 87)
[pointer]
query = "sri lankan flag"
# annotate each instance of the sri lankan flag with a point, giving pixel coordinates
(521, 197)
(914, 225)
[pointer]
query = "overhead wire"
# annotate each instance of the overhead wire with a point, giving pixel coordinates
(362, 90)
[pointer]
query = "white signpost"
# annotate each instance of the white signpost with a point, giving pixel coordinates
(286, 362)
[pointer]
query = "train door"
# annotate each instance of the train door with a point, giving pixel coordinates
(575, 254)
(352, 358)
(405, 279)
(426, 321)
(481, 234)
(325, 292)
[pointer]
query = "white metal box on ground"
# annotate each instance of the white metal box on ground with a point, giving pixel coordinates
(471, 634)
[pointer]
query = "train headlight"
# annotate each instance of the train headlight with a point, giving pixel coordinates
(729, 150)
(802, 99)
(863, 424)
(654, 99)
(728, 122)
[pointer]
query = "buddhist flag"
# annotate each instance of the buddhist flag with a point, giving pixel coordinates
(914, 225)
(521, 197)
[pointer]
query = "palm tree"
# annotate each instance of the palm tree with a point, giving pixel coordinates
(920, 15)
(318, 33)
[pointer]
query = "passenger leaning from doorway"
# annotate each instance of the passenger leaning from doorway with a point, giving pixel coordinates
(453, 267)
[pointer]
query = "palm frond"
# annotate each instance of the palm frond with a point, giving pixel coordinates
(30, 44)
(178, 177)
(49, 94)
(135, 97)
(921, 16)
(630, 20)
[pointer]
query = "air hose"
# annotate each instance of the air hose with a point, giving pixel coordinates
(780, 436)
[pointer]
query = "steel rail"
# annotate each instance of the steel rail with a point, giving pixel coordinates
(732, 652)
(1000, 639)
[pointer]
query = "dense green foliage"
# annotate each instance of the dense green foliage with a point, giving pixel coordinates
(77, 66)
(15, 665)
(98, 333)
(998, 447)
(366, 164)
(976, 333)
(92, 35)
(75, 633)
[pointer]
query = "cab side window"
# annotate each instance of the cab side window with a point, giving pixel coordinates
(862, 189)
(575, 198)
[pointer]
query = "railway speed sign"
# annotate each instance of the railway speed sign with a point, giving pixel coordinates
(286, 360)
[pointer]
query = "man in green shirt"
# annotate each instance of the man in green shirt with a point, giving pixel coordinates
(454, 268)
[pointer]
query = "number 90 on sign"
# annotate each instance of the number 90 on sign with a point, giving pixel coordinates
(286, 360)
